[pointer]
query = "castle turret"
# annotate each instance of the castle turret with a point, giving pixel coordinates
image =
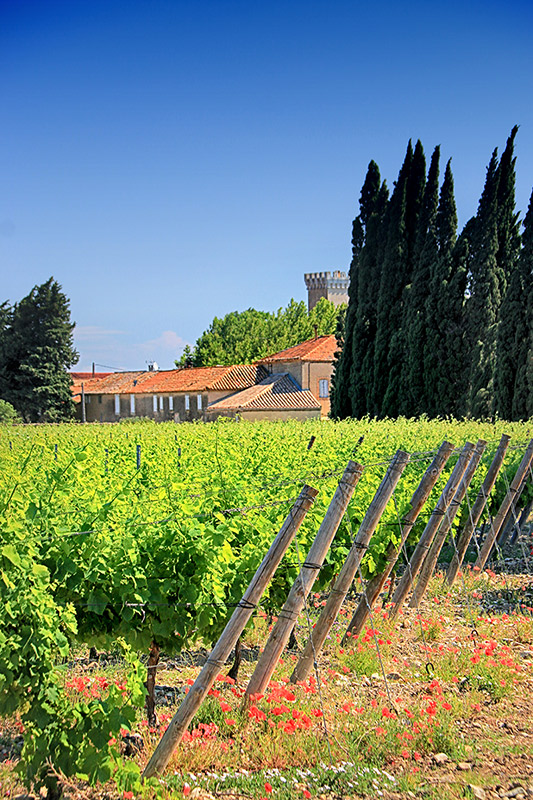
(331, 285)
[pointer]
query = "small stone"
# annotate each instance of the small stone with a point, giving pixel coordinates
(463, 766)
(518, 791)
(477, 791)
(376, 677)
(440, 758)
(393, 676)
(132, 743)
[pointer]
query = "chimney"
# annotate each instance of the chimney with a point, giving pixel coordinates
(93, 369)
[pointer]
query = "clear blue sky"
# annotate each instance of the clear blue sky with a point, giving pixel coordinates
(168, 162)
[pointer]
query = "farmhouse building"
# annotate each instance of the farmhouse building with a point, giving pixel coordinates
(310, 364)
(181, 395)
(276, 397)
(292, 384)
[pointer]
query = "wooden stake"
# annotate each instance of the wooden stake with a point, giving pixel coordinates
(430, 530)
(511, 517)
(349, 568)
(374, 587)
(524, 516)
(153, 661)
(430, 561)
(192, 701)
(504, 508)
(302, 585)
(465, 536)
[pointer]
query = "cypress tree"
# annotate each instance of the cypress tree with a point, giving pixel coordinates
(413, 396)
(443, 348)
(483, 296)
(397, 272)
(511, 319)
(369, 268)
(520, 295)
(341, 400)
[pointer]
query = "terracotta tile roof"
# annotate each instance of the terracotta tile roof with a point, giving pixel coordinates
(77, 377)
(115, 383)
(322, 348)
(277, 392)
(192, 379)
(87, 378)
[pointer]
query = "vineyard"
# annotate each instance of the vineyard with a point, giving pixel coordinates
(139, 541)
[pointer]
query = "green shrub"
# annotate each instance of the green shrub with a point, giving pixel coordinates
(8, 415)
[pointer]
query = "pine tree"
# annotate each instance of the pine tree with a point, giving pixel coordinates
(412, 401)
(520, 292)
(511, 324)
(39, 351)
(483, 296)
(6, 318)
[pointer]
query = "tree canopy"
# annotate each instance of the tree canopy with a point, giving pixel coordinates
(242, 337)
(36, 352)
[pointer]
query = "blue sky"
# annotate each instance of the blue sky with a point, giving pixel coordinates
(168, 162)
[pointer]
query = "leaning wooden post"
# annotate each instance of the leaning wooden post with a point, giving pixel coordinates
(346, 575)
(524, 516)
(430, 561)
(375, 585)
(511, 517)
(504, 508)
(302, 585)
(430, 530)
(192, 701)
(487, 486)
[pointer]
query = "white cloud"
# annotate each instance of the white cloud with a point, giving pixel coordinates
(169, 340)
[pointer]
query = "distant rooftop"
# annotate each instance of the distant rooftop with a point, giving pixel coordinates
(277, 392)
(323, 348)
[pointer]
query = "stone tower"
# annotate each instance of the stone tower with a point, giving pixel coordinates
(331, 285)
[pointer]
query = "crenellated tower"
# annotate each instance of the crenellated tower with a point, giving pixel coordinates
(331, 285)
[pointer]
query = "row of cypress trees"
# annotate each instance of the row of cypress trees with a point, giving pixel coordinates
(438, 323)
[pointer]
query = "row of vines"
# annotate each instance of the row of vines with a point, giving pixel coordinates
(125, 535)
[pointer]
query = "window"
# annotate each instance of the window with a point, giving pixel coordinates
(117, 405)
(323, 388)
(132, 404)
(199, 401)
(187, 403)
(161, 399)
(87, 398)
(100, 399)
(155, 403)
(171, 403)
